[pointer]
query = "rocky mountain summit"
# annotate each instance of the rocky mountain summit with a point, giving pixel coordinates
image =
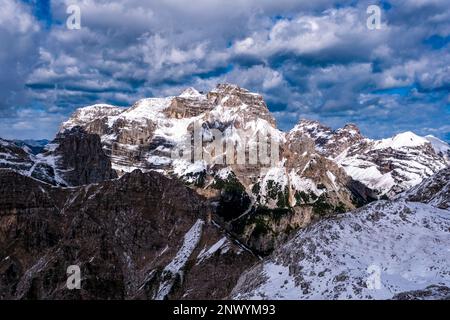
(388, 249)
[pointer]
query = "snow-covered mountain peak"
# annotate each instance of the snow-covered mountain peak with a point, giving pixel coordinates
(228, 88)
(148, 108)
(351, 129)
(401, 140)
(311, 127)
(90, 113)
(388, 166)
(190, 93)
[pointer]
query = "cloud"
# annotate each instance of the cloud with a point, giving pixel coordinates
(19, 33)
(313, 59)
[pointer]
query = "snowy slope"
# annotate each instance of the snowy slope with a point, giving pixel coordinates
(439, 146)
(42, 166)
(191, 239)
(375, 252)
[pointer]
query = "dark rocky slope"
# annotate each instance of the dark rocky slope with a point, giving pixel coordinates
(143, 236)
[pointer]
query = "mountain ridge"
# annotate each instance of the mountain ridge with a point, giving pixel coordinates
(164, 164)
(313, 171)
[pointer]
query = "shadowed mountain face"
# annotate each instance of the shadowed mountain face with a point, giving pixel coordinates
(143, 236)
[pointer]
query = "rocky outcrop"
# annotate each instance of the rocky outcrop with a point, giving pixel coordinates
(81, 157)
(434, 190)
(434, 292)
(143, 236)
(73, 158)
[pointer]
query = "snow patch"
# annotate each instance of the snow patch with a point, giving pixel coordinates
(191, 240)
(222, 245)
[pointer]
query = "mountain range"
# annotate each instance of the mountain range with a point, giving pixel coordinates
(112, 194)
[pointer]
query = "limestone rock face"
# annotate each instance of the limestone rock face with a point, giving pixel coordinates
(82, 157)
(143, 236)
(73, 158)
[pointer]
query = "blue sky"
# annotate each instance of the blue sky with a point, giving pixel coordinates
(309, 59)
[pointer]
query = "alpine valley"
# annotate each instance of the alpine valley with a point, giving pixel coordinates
(108, 195)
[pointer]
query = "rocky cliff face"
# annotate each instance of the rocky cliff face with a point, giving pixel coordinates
(387, 249)
(73, 158)
(143, 236)
(80, 158)
(434, 191)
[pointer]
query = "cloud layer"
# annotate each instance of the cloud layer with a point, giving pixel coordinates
(310, 60)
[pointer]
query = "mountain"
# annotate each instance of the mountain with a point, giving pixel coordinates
(211, 141)
(440, 147)
(36, 146)
(174, 198)
(258, 202)
(388, 166)
(15, 157)
(142, 236)
(388, 249)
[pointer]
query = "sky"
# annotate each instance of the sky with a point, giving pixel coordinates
(309, 59)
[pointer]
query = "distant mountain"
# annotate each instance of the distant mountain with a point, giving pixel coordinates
(36, 146)
(388, 166)
(388, 249)
(73, 158)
